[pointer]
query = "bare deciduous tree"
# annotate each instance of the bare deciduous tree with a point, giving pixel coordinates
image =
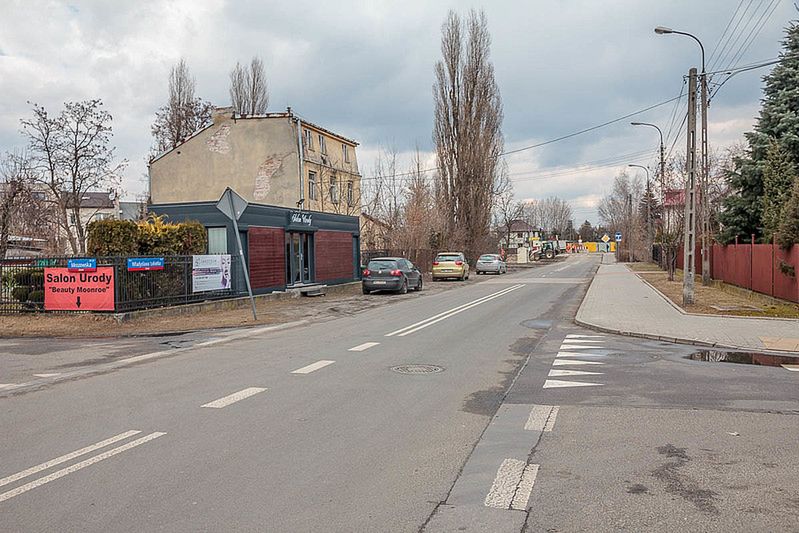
(249, 90)
(184, 113)
(507, 209)
(71, 155)
(617, 211)
(15, 183)
(467, 129)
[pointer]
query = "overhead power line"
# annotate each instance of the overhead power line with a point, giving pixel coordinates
(543, 143)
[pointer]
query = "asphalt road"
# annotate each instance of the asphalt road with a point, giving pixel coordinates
(310, 428)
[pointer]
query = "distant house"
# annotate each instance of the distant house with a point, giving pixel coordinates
(521, 234)
(673, 209)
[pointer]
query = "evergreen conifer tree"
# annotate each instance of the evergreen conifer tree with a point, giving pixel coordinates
(778, 122)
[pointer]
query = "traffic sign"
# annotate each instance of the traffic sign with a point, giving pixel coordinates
(618, 236)
(605, 238)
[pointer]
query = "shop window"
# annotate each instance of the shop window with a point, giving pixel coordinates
(217, 241)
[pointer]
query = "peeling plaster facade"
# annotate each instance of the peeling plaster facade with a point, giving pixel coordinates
(259, 158)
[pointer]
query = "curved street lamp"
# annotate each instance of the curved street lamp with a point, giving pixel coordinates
(662, 155)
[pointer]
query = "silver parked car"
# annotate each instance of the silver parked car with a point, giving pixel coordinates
(491, 263)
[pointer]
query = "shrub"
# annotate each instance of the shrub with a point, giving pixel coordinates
(112, 237)
(153, 236)
(20, 294)
(36, 296)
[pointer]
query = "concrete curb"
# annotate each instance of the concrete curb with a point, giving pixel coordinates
(678, 340)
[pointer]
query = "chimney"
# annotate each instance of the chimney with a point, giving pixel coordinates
(221, 114)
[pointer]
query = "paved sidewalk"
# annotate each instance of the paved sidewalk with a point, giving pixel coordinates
(618, 301)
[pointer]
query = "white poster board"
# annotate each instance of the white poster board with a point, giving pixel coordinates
(210, 273)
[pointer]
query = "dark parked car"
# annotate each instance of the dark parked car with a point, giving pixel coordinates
(391, 274)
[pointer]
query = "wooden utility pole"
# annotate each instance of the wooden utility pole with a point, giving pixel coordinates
(689, 242)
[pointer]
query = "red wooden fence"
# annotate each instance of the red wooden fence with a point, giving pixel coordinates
(758, 267)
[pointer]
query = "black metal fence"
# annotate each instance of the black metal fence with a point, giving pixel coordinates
(22, 283)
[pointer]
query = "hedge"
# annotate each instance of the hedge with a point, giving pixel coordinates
(150, 237)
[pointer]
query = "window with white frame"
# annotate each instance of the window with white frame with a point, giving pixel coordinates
(333, 190)
(217, 240)
(308, 139)
(322, 145)
(346, 152)
(103, 216)
(311, 185)
(350, 194)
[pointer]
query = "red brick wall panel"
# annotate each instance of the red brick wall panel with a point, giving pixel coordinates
(267, 255)
(333, 255)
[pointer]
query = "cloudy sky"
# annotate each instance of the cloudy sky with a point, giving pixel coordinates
(365, 69)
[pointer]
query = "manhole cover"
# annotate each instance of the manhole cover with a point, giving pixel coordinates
(417, 369)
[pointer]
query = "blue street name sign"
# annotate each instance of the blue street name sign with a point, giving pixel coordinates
(145, 263)
(82, 265)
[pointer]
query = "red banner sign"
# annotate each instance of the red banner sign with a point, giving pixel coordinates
(79, 291)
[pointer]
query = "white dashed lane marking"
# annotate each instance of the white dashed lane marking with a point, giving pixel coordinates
(542, 418)
(512, 485)
(47, 375)
(571, 362)
(557, 384)
(555, 373)
(233, 398)
(580, 354)
(362, 347)
(312, 367)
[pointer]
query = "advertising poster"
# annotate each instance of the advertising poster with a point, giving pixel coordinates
(210, 273)
(66, 290)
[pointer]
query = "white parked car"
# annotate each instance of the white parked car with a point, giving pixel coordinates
(491, 263)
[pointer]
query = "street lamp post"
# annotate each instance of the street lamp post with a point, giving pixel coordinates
(703, 196)
(648, 213)
(662, 156)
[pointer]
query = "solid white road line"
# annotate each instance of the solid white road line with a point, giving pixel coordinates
(78, 466)
(233, 398)
(569, 362)
(48, 375)
(575, 336)
(551, 420)
(525, 488)
(68, 457)
(445, 314)
(312, 367)
(792, 368)
(362, 347)
(461, 310)
(580, 354)
(582, 341)
(555, 373)
(6, 385)
(557, 384)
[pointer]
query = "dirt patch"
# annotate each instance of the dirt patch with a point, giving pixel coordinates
(713, 300)
(347, 302)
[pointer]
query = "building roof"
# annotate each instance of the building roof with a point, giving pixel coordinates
(94, 199)
(374, 220)
(520, 225)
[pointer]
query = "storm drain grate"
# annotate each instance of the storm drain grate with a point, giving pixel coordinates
(417, 369)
